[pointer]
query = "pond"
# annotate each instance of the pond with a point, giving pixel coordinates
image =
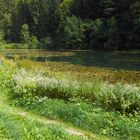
(124, 60)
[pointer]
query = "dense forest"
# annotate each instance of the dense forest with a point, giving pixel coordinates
(72, 24)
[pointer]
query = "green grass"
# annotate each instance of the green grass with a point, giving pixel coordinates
(85, 116)
(14, 126)
(99, 107)
(18, 128)
(119, 97)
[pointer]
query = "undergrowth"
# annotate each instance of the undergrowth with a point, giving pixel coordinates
(14, 127)
(101, 107)
(124, 98)
(84, 115)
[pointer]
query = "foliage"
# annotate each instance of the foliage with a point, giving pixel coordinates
(118, 97)
(6, 26)
(73, 33)
(84, 115)
(5, 72)
(20, 128)
(30, 41)
(108, 109)
(117, 22)
(47, 42)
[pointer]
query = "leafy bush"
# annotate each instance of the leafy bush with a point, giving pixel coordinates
(34, 43)
(37, 84)
(123, 98)
(46, 43)
(30, 40)
(7, 68)
(73, 35)
(119, 97)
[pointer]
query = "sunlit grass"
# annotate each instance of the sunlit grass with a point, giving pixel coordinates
(119, 97)
(72, 71)
(90, 97)
(85, 116)
(16, 127)
(80, 73)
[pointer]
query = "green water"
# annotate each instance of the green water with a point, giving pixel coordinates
(127, 60)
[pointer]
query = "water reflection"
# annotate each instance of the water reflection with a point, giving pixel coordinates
(114, 60)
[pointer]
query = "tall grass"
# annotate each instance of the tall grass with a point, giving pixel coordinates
(119, 97)
(85, 116)
(14, 127)
(80, 105)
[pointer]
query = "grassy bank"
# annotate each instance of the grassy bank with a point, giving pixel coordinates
(119, 97)
(99, 107)
(16, 125)
(86, 116)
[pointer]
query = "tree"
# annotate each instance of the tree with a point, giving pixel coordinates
(91, 24)
(73, 33)
(29, 40)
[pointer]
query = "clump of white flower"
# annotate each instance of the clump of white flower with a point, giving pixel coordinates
(119, 96)
(27, 82)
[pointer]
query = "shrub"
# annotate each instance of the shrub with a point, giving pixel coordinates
(119, 97)
(7, 68)
(73, 35)
(46, 43)
(29, 40)
(34, 43)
